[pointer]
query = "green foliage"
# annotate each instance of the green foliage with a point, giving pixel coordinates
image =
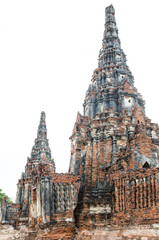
(2, 195)
(52, 161)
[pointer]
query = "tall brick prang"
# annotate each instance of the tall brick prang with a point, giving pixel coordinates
(114, 146)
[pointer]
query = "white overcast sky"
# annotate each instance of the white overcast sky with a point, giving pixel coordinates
(48, 51)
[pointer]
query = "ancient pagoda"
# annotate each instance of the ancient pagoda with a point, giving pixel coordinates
(114, 146)
(113, 179)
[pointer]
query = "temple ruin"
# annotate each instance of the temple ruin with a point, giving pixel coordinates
(113, 178)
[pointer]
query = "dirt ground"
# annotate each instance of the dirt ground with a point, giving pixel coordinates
(9, 233)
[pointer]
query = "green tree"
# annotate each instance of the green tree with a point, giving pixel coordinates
(2, 195)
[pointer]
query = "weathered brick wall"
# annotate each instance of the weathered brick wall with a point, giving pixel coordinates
(106, 146)
(9, 212)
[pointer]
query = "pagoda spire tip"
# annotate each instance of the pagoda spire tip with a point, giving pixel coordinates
(42, 112)
(43, 115)
(109, 10)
